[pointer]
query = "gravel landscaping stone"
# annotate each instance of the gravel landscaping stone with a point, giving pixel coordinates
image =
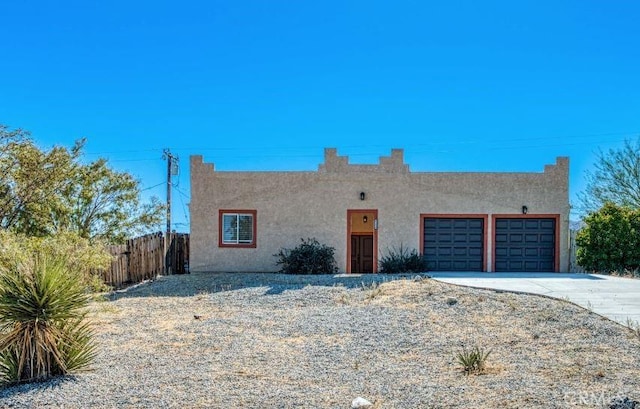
(277, 341)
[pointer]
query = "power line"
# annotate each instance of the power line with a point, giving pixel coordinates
(133, 160)
(438, 145)
(151, 187)
(435, 140)
(184, 207)
(125, 151)
(182, 193)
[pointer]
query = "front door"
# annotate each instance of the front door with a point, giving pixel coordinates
(362, 241)
(362, 253)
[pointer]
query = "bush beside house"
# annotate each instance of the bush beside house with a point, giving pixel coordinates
(610, 240)
(402, 260)
(309, 257)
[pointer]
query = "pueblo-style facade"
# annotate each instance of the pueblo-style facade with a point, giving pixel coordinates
(494, 222)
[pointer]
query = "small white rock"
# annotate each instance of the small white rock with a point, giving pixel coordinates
(360, 403)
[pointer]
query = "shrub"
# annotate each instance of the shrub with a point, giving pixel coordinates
(43, 331)
(401, 260)
(79, 254)
(472, 360)
(610, 241)
(309, 257)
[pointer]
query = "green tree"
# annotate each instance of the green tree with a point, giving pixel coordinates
(31, 182)
(44, 192)
(616, 179)
(610, 240)
(105, 204)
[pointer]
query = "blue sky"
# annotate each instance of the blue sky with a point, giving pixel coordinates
(266, 85)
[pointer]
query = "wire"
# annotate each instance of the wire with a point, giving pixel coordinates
(436, 145)
(435, 140)
(151, 187)
(183, 194)
(133, 160)
(127, 151)
(184, 207)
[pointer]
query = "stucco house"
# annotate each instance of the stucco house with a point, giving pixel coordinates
(491, 222)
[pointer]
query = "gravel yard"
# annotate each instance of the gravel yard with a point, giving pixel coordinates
(275, 341)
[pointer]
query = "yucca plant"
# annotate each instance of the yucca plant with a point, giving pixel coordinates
(472, 360)
(43, 331)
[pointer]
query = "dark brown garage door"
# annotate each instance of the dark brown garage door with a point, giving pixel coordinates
(525, 244)
(454, 244)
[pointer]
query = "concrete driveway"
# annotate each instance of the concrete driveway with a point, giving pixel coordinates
(613, 297)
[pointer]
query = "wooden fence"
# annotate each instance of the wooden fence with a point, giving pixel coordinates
(573, 249)
(144, 258)
(178, 254)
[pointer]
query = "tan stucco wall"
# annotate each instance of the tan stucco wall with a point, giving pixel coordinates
(292, 205)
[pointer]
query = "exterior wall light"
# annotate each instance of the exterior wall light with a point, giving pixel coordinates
(525, 210)
(365, 219)
(361, 195)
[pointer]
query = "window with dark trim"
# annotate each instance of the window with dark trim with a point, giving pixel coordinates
(237, 228)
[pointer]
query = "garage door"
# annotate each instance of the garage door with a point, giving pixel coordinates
(454, 244)
(525, 244)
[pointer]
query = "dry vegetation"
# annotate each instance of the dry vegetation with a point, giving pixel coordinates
(205, 341)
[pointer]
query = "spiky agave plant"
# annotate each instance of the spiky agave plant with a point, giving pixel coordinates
(43, 331)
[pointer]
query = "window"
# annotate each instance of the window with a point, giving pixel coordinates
(237, 228)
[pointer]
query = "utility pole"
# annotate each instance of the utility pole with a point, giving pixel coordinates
(172, 169)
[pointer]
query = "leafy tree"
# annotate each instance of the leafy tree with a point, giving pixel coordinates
(105, 204)
(610, 240)
(616, 179)
(44, 192)
(31, 181)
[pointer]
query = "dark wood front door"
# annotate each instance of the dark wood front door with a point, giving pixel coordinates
(362, 253)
